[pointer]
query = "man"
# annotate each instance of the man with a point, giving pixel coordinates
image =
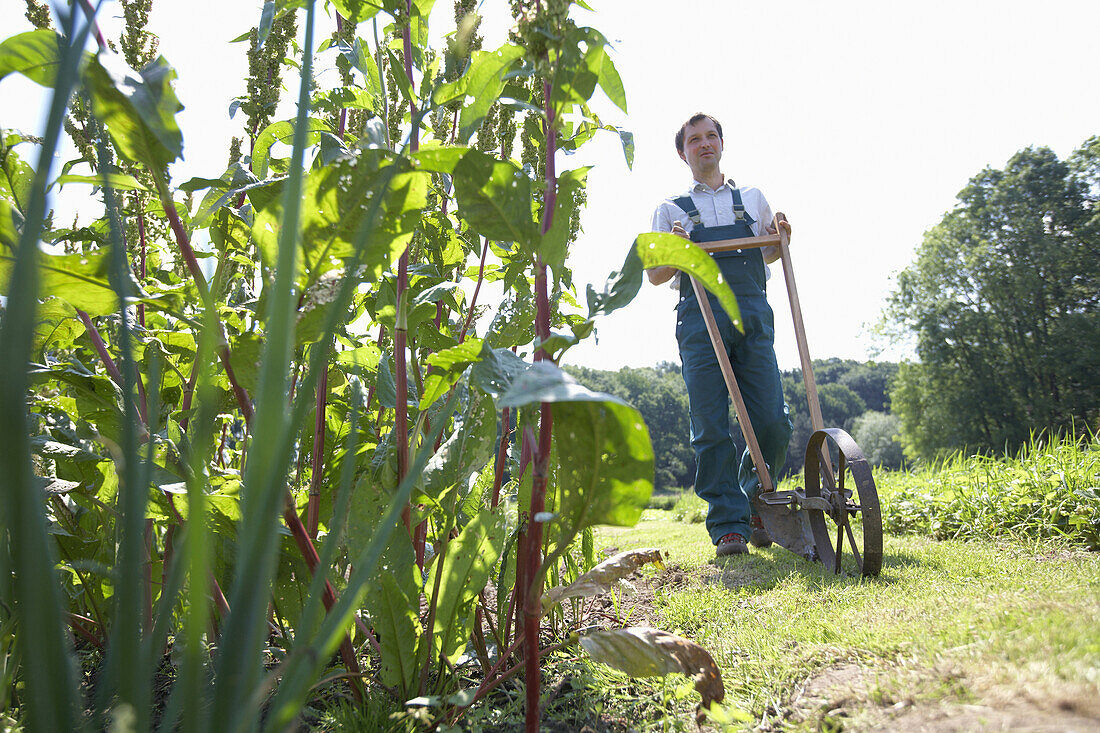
(714, 209)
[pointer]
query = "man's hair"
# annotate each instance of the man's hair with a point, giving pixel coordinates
(691, 121)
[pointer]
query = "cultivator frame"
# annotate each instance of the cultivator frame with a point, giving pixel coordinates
(839, 488)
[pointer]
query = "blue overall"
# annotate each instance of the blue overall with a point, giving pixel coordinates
(753, 358)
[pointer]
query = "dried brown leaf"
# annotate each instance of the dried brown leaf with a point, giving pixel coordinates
(600, 578)
(645, 652)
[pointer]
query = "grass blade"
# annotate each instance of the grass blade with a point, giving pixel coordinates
(49, 672)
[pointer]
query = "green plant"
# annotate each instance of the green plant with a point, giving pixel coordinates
(1048, 490)
(304, 447)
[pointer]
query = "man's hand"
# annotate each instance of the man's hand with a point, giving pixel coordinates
(782, 219)
(678, 229)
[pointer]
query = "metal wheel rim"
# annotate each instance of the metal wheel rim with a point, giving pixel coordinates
(862, 484)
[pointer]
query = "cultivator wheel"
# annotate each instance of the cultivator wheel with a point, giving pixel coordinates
(849, 489)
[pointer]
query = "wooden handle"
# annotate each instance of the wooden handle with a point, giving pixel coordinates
(727, 245)
(803, 346)
(762, 472)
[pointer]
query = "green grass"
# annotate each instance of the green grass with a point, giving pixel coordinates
(955, 621)
(1051, 489)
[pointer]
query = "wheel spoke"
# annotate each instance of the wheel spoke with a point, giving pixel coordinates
(852, 542)
(839, 545)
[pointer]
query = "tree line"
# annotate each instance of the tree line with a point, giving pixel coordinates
(854, 396)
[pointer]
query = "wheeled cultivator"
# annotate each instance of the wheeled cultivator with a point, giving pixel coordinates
(837, 513)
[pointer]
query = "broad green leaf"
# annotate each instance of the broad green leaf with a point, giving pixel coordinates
(494, 197)
(399, 630)
(116, 180)
(606, 464)
(465, 451)
(657, 249)
(336, 201)
(78, 279)
(357, 11)
(479, 88)
(544, 382)
(602, 446)
(447, 367)
(362, 360)
(58, 326)
(11, 227)
(439, 158)
(34, 54)
(16, 179)
(555, 243)
(469, 559)
(512, 325)
(281, 132)
(139, 110)
(645, 652)
(609, 79)
(601, 578)
(496, 370)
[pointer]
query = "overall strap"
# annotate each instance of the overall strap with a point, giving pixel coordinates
(689, 207)
(738, 206)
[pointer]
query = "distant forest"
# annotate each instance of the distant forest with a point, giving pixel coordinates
(854, 396)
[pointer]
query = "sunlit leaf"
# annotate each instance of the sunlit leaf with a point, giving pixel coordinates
(465, 451)
(657, 249)
(117, 181)
(281, 132)
(78, 279)
(35, 54)
(479, 88)
(138, 109)
(469, 559)
(494, 197)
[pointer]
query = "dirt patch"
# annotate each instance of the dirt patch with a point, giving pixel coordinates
(851, 696)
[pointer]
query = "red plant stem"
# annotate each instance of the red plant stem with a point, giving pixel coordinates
(77, 624)
(110, 366)
(540, 468)
(221, 445)
(309, 552)
(90, 12)
(313, 510)
(477, 289)
(184, 243)
(400, 335)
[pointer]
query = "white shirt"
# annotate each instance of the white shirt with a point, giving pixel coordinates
(716, 209)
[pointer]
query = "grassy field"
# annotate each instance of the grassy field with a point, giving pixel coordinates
(953, 634)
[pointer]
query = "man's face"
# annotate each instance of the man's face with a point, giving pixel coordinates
(702, 147)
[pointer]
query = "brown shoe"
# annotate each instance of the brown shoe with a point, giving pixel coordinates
(732, 544)
(759, 536)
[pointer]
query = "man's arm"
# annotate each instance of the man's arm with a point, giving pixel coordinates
(660, 275)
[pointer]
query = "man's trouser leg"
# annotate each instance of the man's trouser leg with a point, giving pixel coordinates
(708, 399)
(758, 377)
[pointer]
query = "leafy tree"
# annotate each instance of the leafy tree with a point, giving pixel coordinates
(877, 435)
(1002, 301)
(658, 393)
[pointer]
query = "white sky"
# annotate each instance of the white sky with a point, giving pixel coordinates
(860, 120)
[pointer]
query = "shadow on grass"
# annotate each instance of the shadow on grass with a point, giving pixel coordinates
(765, 569)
